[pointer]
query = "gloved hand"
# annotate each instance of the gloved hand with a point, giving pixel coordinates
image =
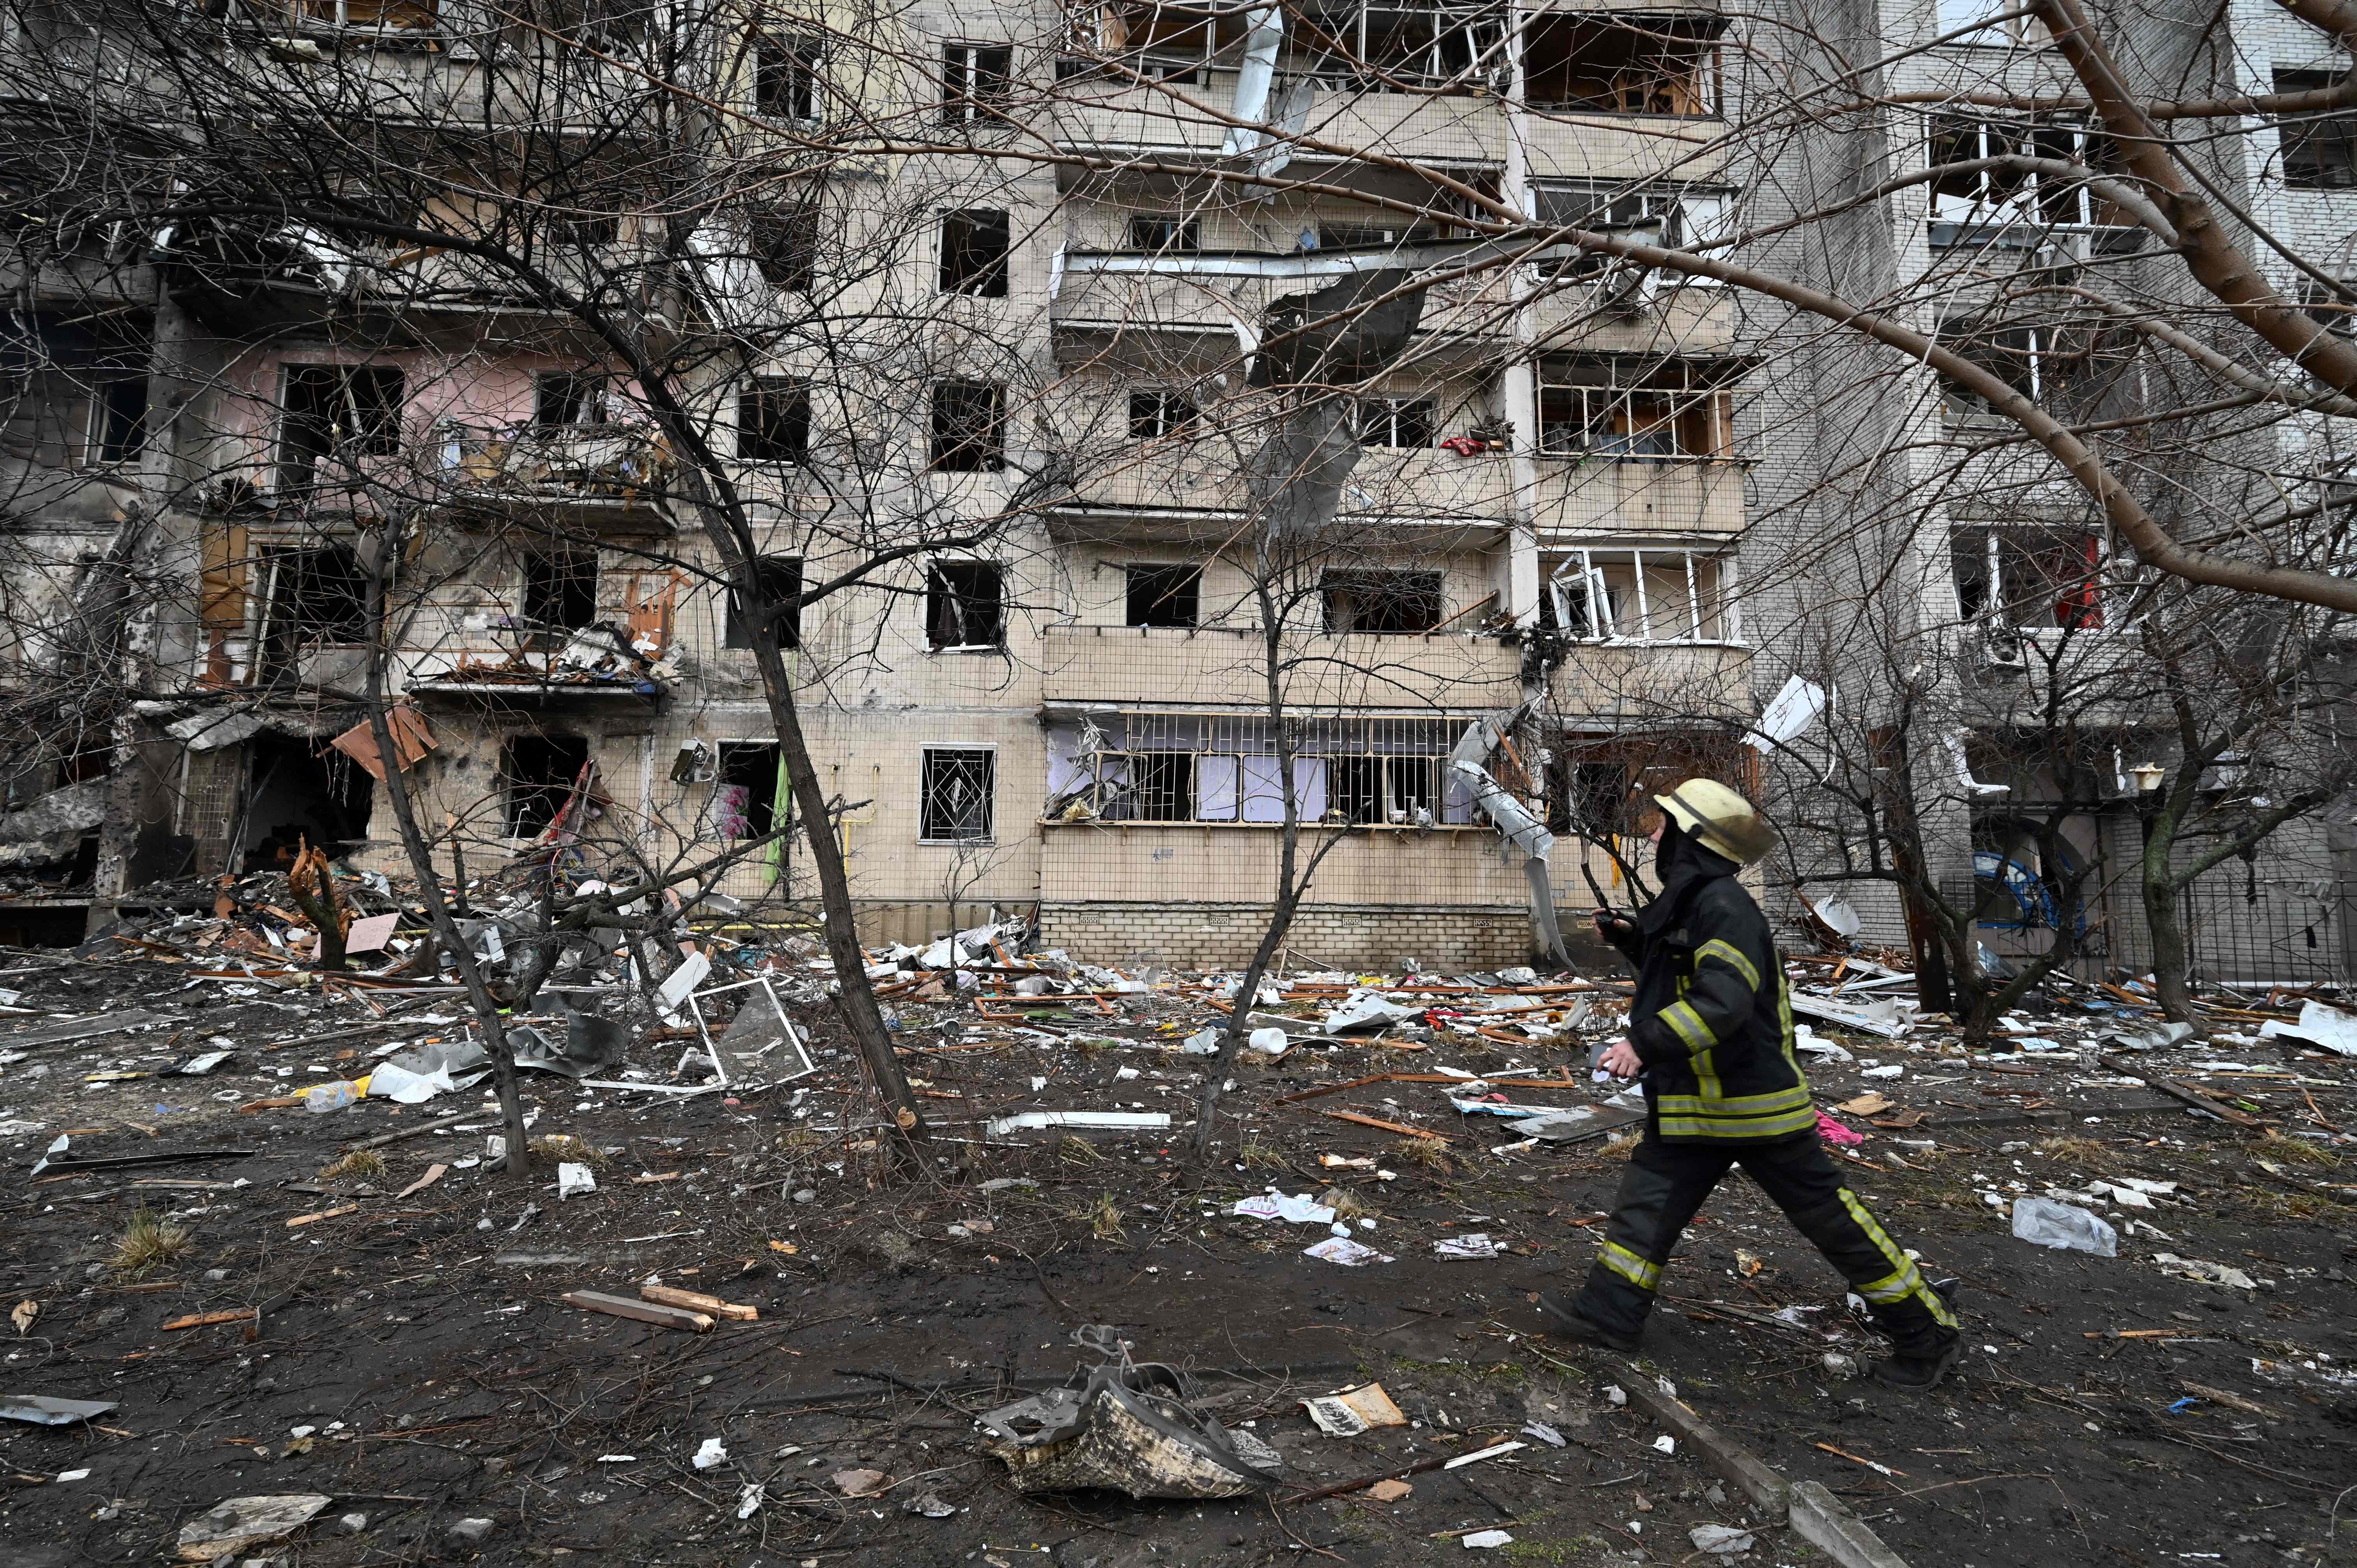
(1620, 1059)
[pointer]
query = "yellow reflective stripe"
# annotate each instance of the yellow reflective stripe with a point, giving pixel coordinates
(1739, 1127)
(1796, 1096)
(1904, 1280)
(1687, 1024)
(1732, 956)
(1644, 1275)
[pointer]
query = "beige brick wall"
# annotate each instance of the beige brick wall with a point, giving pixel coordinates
(1339, 935)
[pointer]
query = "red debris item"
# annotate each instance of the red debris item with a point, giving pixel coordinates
(1832, 1131)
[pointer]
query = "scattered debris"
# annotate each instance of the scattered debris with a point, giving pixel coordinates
(1128, 1427)
(1347, 1412)
(2062, 1226)
(241, 1523)
(42, 1409)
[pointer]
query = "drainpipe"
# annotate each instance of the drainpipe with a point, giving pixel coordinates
(1521, 598)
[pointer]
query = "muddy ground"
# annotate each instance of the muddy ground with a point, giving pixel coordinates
(422, 1341)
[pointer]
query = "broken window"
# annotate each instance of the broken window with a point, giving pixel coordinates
(773, 418)
(1397, 420)
(2004, 195)
(1676, 217)
(1159, 41)
(749, 799)
(74, 393)
(779, 581)
(977, 81)
(1160, 787)
(2320, 151)
(560, 590)
(1161, 232)
(784, 242)
(786, 76)
(1653, 411)
(1624, 64)
(965, 604)
(317, 595)
(968, 427)
(1158, 411)
(537, 773)
(585, 219)
(974, 247)
(356, 14)
(1601, 787)
(2041, 362)
(1375, 236)
(954, 793)
(339, 412)
(1641, 595)
(1372, 47)
(1162, 596)
(1381, 602)
(2029, 577)
(568, 397)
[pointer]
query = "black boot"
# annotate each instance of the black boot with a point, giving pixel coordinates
(1918, 1363)
(1565, 1321)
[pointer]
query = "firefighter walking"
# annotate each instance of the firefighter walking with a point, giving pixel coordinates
(1710, 1032)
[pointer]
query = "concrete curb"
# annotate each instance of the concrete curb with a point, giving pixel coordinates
(1814, 1514)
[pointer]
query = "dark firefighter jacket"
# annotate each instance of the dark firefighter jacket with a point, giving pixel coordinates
(1712, 1021)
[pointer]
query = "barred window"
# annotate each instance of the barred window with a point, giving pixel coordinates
(955, 792)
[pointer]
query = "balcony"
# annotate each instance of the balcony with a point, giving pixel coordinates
(1583, 498)
(1612, 683)
(1222, 666)
(1223, 863)
(595, 478)
(1416, 487)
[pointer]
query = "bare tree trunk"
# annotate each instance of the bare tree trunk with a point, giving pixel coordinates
(421, 859)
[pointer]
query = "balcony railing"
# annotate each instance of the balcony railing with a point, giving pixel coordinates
(614, 473)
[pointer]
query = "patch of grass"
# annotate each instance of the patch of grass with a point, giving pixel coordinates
(1262, 1156)
(1345, 1204)
(1521, 1549)
(1089, 1048)
(2077, 1150)
(566, 1146)
(1425, 1155)
(1076, 1150)
(1103, 1216)
(1513, 1374)
(798, 1142)
(359, 1162)
(148, 1242)
(2297, 1151)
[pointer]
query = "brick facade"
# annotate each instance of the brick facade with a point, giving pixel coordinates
(1330, 936)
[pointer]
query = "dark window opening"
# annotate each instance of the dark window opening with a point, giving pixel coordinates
(77, 389)
(1158, 411)
(1163, 596)
(1390, 48)
(779, 581)
(294, 796)
(784, 242)
(342, 411)
(1411, 784)
(1381, 602)
(561, 590)
(1161, 787)
(773, 420)
(1589, 800)
(968, 427)
(749, 799)
(786, 77)
(317, 595)
(2029, 577)
(1648, 66)
(965, 604)
(1354, 789)
(537, 774)
(122, 418)
(585, 219)
(2320, 151)
(977, 81)
(954, 793)
(568, 397)
(974, 247)
(1963, 193)
(1152, 232)
(1398, 421)
(1661, 424)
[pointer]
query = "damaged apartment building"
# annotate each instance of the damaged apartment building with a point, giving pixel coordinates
(1041, 367)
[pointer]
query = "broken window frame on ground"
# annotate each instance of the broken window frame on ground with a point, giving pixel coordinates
(1676, 411)
(1223, 763)
(1400, 601)
(957, 795)
(966, 605)
(1572, 589)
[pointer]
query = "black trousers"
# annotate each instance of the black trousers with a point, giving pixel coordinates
(1665, 1185)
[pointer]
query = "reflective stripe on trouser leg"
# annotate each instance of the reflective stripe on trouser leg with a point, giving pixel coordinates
(1874, 1266)
(1659, 1193)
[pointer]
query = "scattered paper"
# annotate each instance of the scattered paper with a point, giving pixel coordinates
(1346, 1412)
(1388, 1491)
(714, 1452)
(1347, 1252)
(1272, 1205)
(1481, 1538)
(858, 1483)
(1475, 1244)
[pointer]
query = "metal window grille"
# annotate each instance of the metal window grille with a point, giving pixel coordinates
(955, 792)
(1221, 767)
(1675, 415)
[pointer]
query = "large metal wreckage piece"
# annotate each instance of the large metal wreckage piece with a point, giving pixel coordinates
(1125, 1427)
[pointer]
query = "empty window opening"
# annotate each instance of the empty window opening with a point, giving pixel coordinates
(1648, 65)
(1164, 233)
(2006, 195)
(1397, 422)
(1677, 217)
(1158, 411)
(568, 397)
(955, 791)
(974, 247)
(749, 799)
(561, 590)
(779, 581)
(773, 420)
(1354, 789)
(77, 389)
(977, 81)
(786, 77)
(2029, 577)
(585, 219)
(313, 596)
(1163, 596)
(337, 413)
(968, 427)
(1602, 787)
(2320, 151)
(965, 604)
(1660, 414)
(1336, 236)
(784, 242)
(1155, 786)
(1158, 40)
(537, 773)
(1381, 602)
(2036, 361)
(295, 797)
(1641, 595)
(1381, 46)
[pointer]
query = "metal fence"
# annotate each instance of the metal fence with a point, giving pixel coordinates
(2239, 932)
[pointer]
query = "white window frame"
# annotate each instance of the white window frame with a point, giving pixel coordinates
(1581, 565)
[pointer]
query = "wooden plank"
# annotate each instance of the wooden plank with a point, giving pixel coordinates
(696, 1301)
(1335, 1088)
(2184, 1092)
(302, 1219)
(202, 1319)
(642, 1311)
(1383, 1126)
